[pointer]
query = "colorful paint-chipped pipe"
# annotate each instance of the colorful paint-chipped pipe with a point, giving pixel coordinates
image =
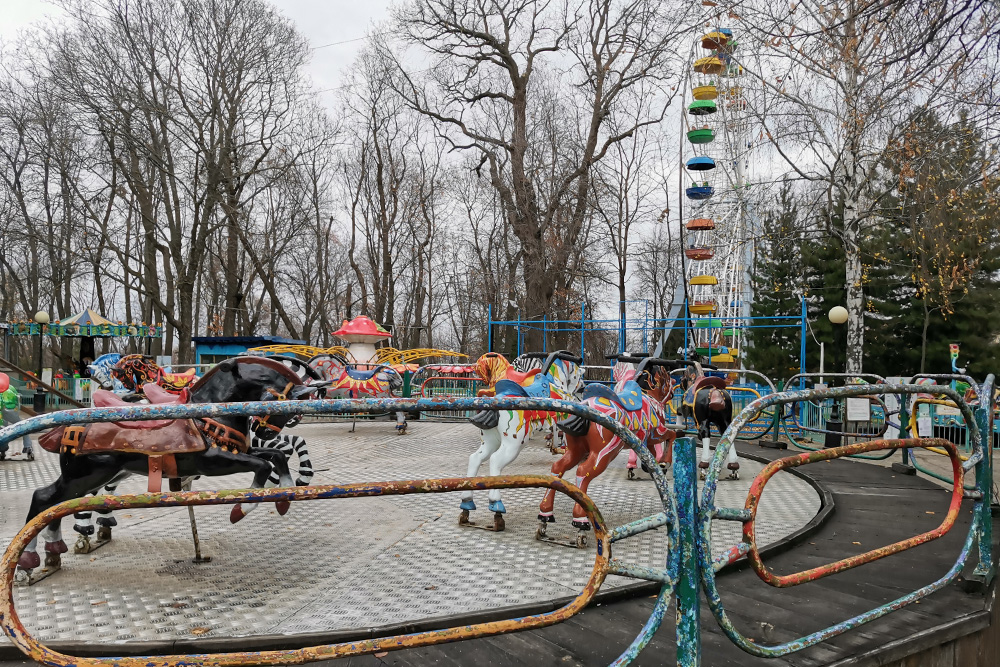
(14, 629)
(347, 406)
(757, 489)
(978, 530)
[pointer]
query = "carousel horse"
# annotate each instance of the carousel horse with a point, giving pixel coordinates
(637, 402)
(504, 432)
(269, 436)
(94, 455)
(706, 401)
(120, 375)
(136, 370)
(100, 373)
(492, 367)
(348, 381)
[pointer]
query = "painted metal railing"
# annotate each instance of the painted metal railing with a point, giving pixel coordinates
(688, 566)
(979, 533)
(604, 537)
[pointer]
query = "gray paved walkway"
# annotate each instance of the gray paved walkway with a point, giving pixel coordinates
(350, 563)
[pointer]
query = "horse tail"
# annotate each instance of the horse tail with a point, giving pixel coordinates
(486, 419)
(574, 425)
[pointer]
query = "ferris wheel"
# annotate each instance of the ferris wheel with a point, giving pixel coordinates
(718, 229)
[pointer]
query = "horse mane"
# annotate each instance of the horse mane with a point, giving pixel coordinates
(491, 368)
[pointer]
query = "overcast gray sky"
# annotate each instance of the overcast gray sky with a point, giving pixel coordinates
(321, 21)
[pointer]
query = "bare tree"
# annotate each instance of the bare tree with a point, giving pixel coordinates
(500, 76)
(841, 77)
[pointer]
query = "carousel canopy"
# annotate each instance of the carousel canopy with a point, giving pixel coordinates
(85, 317)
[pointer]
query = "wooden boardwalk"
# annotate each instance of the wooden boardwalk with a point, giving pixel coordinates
(873, 507)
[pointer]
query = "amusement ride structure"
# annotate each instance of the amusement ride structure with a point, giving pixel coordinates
(718, 232)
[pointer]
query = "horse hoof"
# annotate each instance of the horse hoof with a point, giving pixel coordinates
(581, 524)
(108, 521)
(237, 514)
(282, 507)
(104, 534)
(29, 560)
(57, 547)
(463, 518)
(468, 505)
(546, 518)
(498, 523)
(581, 541)
(497, 506)
(82, 545)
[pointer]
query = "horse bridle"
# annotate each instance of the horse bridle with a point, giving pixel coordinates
(264, 422)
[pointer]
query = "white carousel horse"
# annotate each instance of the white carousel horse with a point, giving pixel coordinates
(504, 432)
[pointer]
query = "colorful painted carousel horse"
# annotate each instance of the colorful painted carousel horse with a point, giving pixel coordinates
(136, 370)
(94, 455)
(637, 402)
(505, 432)
(707, 402)
(100, 372)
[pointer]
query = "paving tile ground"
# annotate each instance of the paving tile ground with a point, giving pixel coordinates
(344, 564)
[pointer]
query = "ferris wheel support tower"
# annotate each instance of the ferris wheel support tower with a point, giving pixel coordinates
(722, 223)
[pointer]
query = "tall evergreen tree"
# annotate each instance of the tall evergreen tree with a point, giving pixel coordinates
(777, 284)
(823, 266)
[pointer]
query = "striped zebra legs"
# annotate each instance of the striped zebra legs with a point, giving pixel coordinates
(287, 444)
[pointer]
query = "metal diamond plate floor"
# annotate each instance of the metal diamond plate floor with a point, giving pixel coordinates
(354, 563)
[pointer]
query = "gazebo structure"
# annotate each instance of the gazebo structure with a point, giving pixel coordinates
(85, 325)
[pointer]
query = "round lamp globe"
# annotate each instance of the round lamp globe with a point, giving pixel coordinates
(838, 315)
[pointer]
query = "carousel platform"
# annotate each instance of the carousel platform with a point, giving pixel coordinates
(335, 570)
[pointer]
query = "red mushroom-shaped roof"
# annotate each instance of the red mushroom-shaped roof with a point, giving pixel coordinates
(361, 326)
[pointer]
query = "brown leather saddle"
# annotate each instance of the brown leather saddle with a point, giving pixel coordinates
(152, 437)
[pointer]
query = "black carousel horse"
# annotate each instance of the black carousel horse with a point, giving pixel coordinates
(93, 455)
(261, 435)
(706, 401)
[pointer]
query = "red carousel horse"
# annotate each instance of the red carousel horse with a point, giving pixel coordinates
(637, 402)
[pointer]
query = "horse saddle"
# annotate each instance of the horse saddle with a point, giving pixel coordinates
(535, 385)
(715, 384)
(176, 436)
(153, 392)
(629, 397)
(151, 437)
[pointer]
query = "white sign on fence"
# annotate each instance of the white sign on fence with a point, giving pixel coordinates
(925, 427)
(858, 410)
